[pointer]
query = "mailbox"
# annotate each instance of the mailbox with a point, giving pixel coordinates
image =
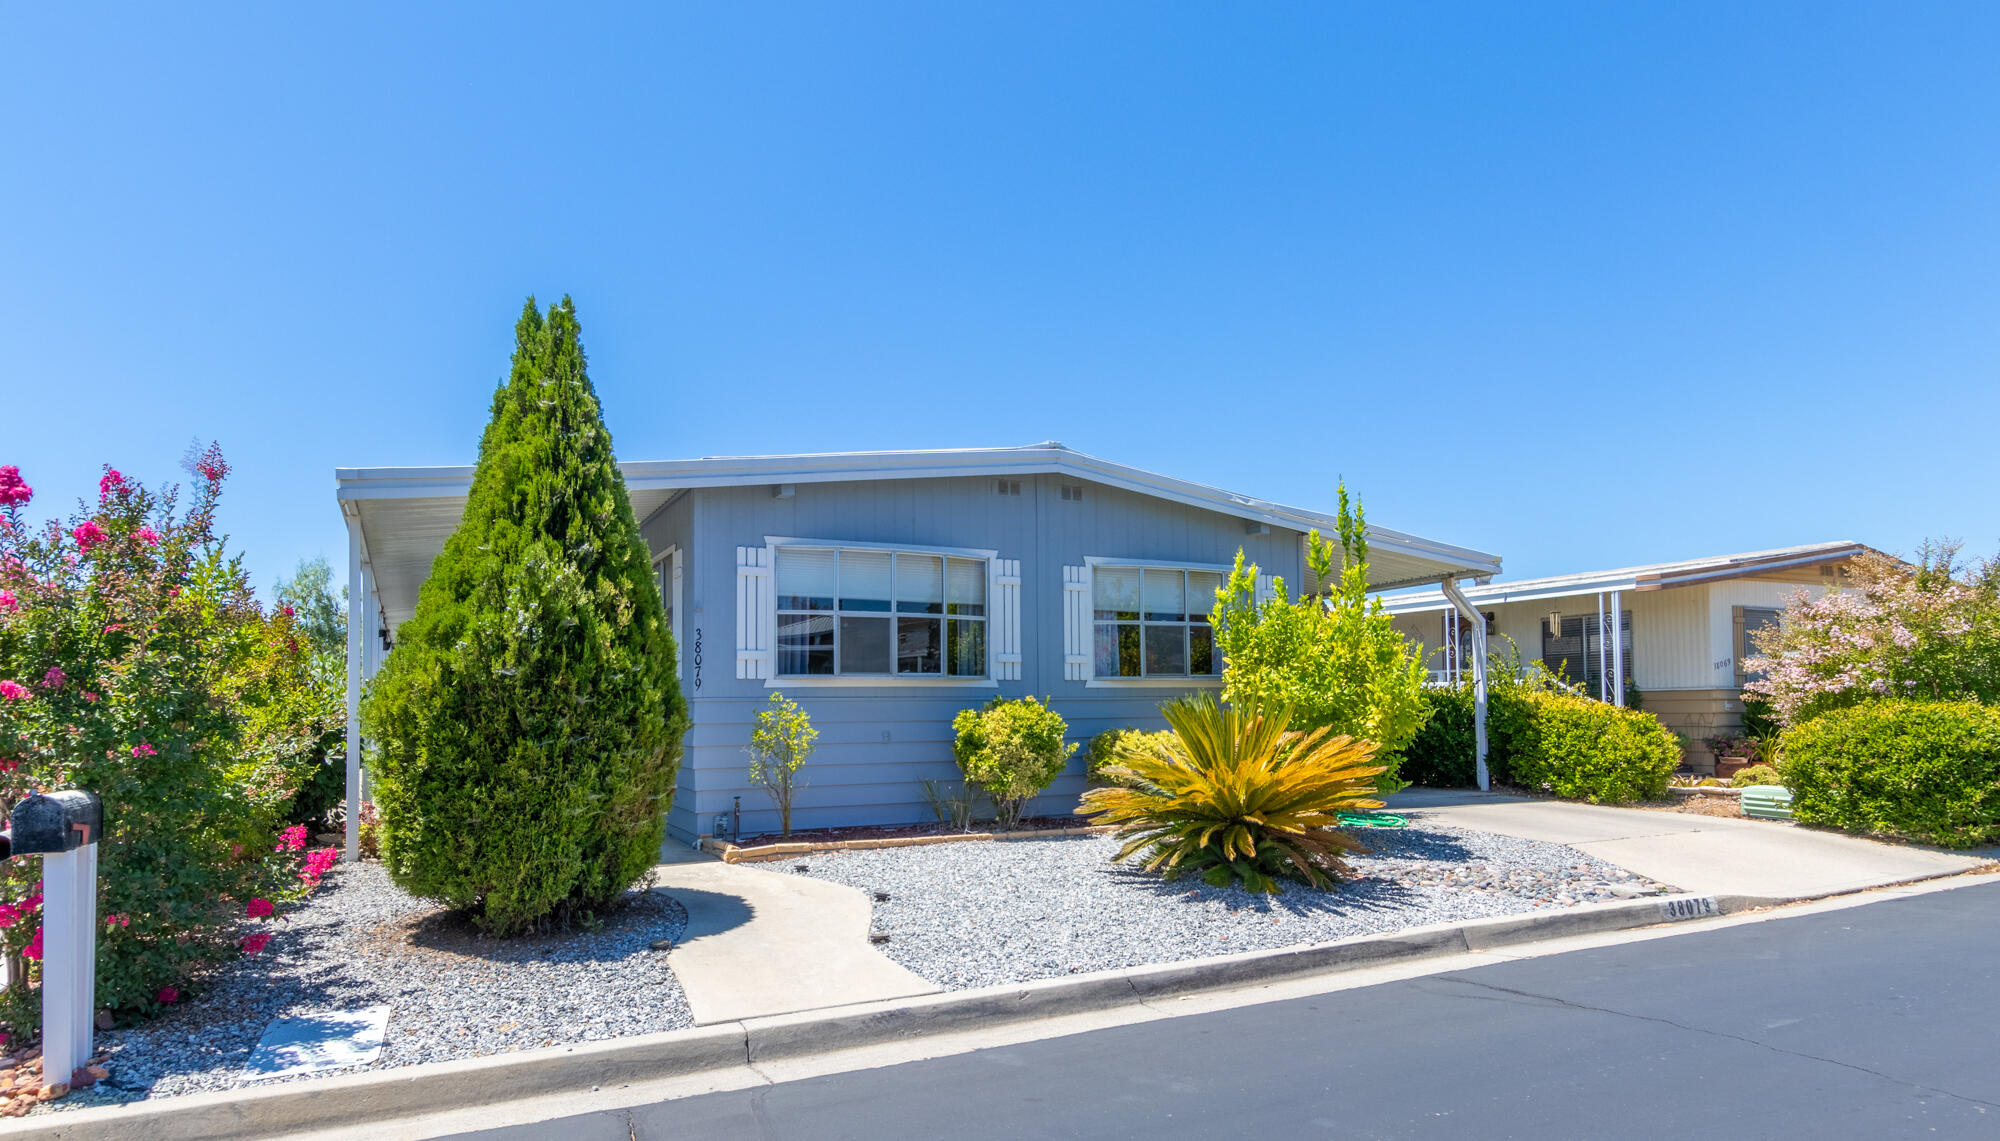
(53, 822)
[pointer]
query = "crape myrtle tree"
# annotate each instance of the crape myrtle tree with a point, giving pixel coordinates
(525, 730)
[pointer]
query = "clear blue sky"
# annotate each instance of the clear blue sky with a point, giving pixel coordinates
(1585, 285)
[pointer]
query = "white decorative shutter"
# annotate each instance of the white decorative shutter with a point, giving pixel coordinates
(755, 612)
(1266, 590)
(1076, 623)
(1006, 620)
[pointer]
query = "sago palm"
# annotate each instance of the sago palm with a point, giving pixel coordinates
(1233, 793)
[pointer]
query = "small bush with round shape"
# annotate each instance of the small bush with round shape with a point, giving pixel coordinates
(1925, 770)
(1238, 796)
(1581, 749)
(1104, 748)
(1012, 750)
(1755, 775)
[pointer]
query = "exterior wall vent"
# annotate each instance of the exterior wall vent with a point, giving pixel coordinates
(1010, 487)
(1072, 492)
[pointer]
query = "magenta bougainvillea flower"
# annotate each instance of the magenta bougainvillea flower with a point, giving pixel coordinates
(147, 536)
(291, 839)
(142, 749)
(34, 948)
(8, 601)
(13, 691)
(255, 943)
(88, 534)
(12, 490)
(111, 482)
(168, 994)
(258, 908)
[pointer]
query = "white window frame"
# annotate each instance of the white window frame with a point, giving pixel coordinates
(671, 560)
(1171, 681)
(885, 681)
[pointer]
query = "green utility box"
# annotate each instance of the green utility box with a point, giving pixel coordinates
(1767, 802)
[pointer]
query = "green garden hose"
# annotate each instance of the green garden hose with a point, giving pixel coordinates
(1373, 820)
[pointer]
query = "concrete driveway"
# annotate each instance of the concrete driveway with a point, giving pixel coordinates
(1706, 854)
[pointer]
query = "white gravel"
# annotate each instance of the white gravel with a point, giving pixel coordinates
(978, 914)
(359, 941)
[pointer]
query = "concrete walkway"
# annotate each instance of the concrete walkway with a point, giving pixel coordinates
(1704, 854)
(761, 940)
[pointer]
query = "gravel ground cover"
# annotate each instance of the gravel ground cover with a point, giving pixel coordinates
(978, 914)
(361, 942)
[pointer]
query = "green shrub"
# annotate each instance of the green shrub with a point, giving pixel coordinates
(1754, 775)
(1929, 771)
(526, 728)
(1336, 661)
(1105, 746)
(1012, 750)
(1582, 749)
(1235, 796)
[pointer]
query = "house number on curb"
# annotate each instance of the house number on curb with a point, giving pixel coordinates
(697, 658)
(1693, 908)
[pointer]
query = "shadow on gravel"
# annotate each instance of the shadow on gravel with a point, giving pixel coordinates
(605, 939)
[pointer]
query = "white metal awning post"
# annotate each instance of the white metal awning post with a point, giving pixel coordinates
(1468, 614)
(357, 618)
(1617, 651)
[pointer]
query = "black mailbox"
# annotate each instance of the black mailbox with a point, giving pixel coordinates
(56, 822)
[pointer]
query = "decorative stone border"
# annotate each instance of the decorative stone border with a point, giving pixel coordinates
(738, 854)
(1723, 792)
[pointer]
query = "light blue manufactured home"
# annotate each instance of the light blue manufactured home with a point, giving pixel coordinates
(886, 591)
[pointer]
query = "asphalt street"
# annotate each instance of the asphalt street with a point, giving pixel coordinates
(1877, 1021)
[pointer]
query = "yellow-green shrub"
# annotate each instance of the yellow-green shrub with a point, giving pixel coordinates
(1012, 750)
(1754, 775)
(1581, 749)
(1928, 770)
(1104, 748)
(1236, 796)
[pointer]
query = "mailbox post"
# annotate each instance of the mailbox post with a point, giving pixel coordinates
(63, 828)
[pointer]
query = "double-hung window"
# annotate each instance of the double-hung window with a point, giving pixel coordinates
(846, 611)
(1153, 621)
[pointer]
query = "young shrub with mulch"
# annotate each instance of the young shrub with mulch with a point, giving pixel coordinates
(527, 725)
(1926, 770)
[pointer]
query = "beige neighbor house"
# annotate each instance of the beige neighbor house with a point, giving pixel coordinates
(1680, 639)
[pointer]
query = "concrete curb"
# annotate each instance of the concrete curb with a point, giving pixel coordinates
(411, 1090)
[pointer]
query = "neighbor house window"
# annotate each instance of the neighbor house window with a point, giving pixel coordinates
(868, 612)
(1576, 653)
(1755, 620)
(1153, 621)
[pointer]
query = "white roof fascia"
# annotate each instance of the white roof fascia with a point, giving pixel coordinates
(1685, 572)
(735, 471)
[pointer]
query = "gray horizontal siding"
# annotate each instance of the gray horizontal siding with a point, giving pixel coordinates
(855, 777)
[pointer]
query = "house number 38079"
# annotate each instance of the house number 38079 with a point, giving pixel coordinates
(697, 658)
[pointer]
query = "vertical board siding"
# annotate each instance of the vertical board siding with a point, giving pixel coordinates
(878, 743)
(1724, 597)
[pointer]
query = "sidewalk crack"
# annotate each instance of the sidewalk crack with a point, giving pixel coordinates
(1584, 1006)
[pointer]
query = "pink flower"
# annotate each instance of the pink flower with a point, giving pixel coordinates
(255, 943)
(10, 914)
(54, 678)
(34, 948)
(258, 908)
(89, 696)
(13, 691)
(146, 535)
(168, 994)
(118, 921)
(89, 534)
(8, 601)
(111, 482)
(288, 611)
(12, 490)
(291, 839)
(142, 749)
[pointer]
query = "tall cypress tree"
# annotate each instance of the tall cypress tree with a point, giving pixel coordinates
(526, 728)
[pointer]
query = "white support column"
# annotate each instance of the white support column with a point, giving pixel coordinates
(1617, 651)
(371, 651)
(1466, 611)
(357, 622)
(1603, 653)
(69, 960)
